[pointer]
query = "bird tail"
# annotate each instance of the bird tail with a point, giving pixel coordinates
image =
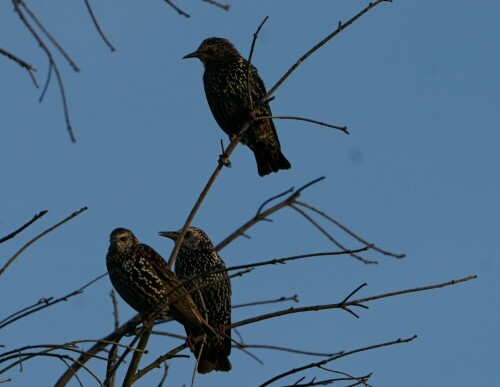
(213, 358)
(270, 160)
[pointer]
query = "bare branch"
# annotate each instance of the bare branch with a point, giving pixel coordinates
(348, 231)
(23, 227)
(98, 28)
(114, 336)
(330, 237)
(261, 215)
(47, 34)
(52, 65)
(73, 215)
(21, 63)
(45, 303)
(171, 354)
(333, 358)
(293, 298)
(286, 349)
(346, 304)
(321, 123)
(136, 358)
(340, 28)
(225, 7)
(359, 380)
(179, 11)
(249, 61)
(165, 374)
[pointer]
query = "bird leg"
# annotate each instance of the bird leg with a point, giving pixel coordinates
(224, 157)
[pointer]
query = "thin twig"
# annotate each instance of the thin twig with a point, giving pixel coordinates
(48, 35)
(340, 28)
(287, 349)
(330, 237)
(321, 123)
(26, 356)
(45, 303)
(98, 28)
(333, 358)
(348, 231)
(169, 355)
(52, 65)
(225, 7)
(112, 355)
(164, 377)
(73, 215)
(249, 61)
(179, 11)
(294, 298)
(23, 227)
(21, 63)
(261, 215)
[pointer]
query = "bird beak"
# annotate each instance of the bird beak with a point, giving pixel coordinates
(195, 54)
(169, 234)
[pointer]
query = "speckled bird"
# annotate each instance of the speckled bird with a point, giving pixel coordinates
(225, 81)
(143, 279)
(197, 255)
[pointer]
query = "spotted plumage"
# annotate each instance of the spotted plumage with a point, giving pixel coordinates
(143, 279)
(211, 293)
(226, 85)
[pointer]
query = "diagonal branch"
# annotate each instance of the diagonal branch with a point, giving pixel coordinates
(21, 63)
(23, 227)
(176, 8)
(45, 303)
(330, 237)
(225, 7)
(73, 215)
(340, 28)
(96, 25)
(348, 231)
(333, 358)
(262, 215)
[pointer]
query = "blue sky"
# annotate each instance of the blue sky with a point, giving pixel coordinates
(417, 83)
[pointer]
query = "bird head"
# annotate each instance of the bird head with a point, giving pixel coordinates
(194, 239)
(122, 239)
(214, 50)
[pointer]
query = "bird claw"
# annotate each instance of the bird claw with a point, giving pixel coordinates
(224, 160)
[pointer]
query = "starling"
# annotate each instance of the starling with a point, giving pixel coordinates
(144, 280)
(211, 293)
(225, 80)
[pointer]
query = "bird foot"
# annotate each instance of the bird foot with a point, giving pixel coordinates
(224, 160)
(224, 157)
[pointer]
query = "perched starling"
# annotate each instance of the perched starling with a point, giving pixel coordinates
(211, 293)
(225, 81)
(144, 280)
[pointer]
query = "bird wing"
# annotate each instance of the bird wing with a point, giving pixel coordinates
(180, 301)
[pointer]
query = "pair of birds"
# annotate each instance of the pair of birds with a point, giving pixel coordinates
(201, 303)
(142, 277)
